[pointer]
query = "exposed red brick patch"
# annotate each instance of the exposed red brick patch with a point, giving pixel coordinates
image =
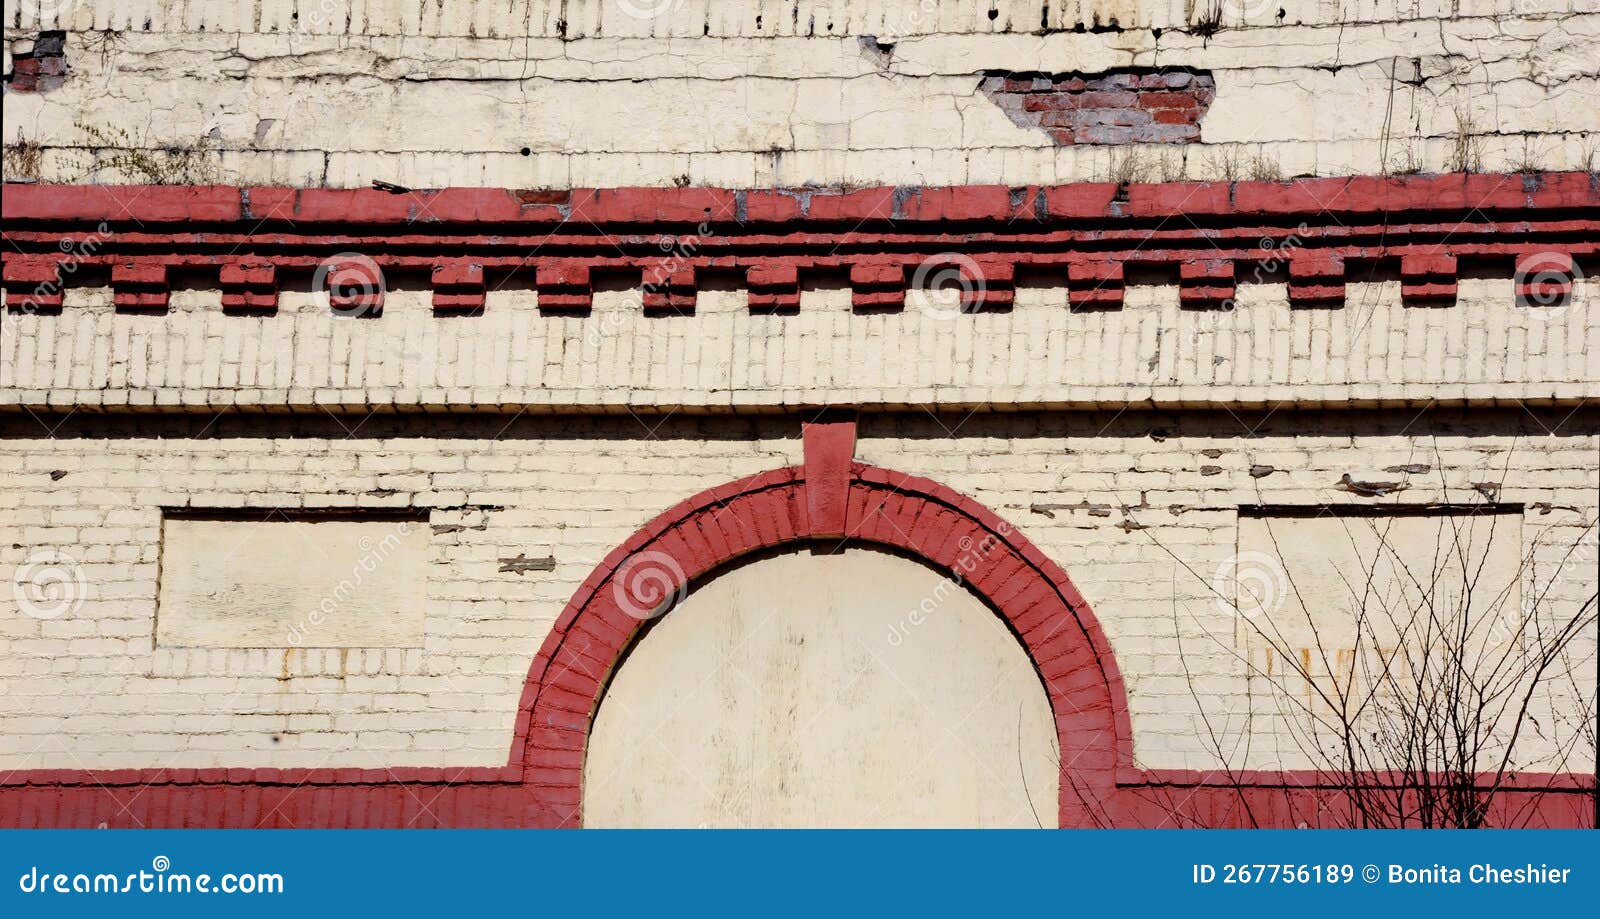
(1125, 106)
(531, 196)
(42, 69)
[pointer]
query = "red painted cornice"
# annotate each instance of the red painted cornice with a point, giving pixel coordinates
(1360, 195)
(1207, 233)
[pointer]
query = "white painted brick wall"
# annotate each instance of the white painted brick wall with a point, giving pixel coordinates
(1484, 347)
(430, 95)
(775, 92)
(88, 689)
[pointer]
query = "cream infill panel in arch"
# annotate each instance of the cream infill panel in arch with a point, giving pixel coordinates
(853, 689)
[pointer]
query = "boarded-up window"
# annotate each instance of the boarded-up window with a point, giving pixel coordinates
(1395, 588)
(263, 580)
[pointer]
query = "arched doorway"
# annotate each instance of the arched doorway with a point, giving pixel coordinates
(842, 504)
(817, 688)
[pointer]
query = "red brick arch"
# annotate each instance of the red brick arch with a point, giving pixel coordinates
(830, 497)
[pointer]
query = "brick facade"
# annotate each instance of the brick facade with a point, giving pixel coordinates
(1113, 511)
(577, 289)
(781, 93)
(456, 702)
